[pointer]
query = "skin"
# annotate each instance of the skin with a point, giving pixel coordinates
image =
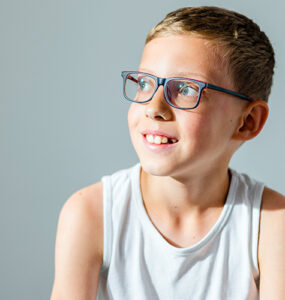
(194, 169)
(187, 187)
(79, 245)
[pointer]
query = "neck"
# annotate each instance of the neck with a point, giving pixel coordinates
(194, 196)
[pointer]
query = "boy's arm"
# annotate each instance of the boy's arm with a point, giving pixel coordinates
(79, 246)
(271, 251)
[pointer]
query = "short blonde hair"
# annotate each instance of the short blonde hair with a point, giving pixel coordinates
(247, 50)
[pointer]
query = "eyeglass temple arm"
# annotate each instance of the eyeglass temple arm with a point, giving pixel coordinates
(220, 89)
(133, 79)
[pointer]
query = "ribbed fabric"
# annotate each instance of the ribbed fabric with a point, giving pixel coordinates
(139, 264)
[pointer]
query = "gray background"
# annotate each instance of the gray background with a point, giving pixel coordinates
(63, 122)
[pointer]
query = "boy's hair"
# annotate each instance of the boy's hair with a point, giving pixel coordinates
(246, 49)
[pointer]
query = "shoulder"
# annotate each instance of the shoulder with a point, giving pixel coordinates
(272, 212)
(272, 242)
(83, 210)
(272, 199)
(272, 209)
(79, 245)
(272, 217)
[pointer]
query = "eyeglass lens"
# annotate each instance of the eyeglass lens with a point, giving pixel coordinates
(180, 92)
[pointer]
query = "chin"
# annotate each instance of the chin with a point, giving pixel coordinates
(156, 168)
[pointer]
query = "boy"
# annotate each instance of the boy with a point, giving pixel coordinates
(180, 224)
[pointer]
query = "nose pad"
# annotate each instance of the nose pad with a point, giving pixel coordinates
(157, 107)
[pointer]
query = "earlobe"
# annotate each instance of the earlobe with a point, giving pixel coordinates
(252, 120)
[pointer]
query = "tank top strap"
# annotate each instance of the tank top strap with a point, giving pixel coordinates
(107, 222)
(251, 191)
(116, 194)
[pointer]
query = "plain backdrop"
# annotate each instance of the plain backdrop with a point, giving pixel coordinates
(63, 120)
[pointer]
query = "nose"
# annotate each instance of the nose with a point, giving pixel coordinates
(157, 108)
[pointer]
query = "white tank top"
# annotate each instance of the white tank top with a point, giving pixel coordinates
(139, 264)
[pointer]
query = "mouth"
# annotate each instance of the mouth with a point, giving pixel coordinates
(159, 143)
(156, 139)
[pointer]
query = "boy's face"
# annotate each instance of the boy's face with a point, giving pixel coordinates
(205, 133)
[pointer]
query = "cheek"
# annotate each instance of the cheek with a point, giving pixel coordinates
(131, 113)
(195, 125)
(133, 116)
(202, 131)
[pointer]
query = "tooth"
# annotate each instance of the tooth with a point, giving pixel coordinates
(173, 140)
(157, 139)
(164, 140)
(149, 138)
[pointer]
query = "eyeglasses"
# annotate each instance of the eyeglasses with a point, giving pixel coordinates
(179, 92)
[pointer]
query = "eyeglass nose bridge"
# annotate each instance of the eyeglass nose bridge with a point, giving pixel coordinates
(160, 81)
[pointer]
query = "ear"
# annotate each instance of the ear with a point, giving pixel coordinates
(252, 120)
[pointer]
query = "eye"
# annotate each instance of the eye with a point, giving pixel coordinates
(144, 84)
(187, 89)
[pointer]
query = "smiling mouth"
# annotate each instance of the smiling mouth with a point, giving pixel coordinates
(158, 139)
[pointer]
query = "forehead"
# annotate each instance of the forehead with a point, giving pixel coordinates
(186, 56)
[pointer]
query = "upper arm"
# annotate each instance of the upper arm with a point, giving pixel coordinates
(272, 246)
(79, 246)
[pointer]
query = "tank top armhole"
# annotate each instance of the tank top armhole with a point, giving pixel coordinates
(107, 223)
(255, 229)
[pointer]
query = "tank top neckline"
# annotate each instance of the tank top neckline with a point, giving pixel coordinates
(148, 225)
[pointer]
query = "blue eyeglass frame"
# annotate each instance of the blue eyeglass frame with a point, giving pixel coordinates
(163, 81)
